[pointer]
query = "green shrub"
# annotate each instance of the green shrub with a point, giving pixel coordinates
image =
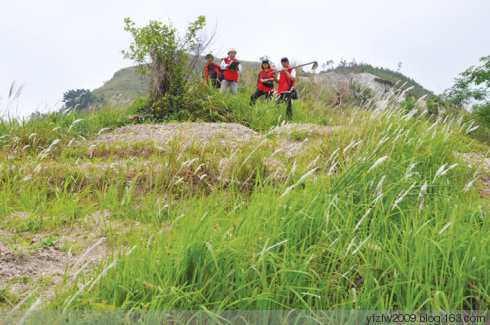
(482, 114)
(409, 104)
(434, 103)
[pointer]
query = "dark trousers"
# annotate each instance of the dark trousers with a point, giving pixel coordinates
(257, 94)
(286, 97)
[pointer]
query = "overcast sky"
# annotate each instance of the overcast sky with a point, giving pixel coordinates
(51, 46)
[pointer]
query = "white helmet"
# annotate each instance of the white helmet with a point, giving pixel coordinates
(231, 50)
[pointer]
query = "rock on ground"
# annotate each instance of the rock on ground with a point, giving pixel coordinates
(339, 81)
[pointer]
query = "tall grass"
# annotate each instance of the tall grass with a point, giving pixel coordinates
(379, 221)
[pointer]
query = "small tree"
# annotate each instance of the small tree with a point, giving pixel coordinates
(342, 65)
(167, 60)
(77, 99)
(472, 85)
(326, 66)
(399, 66)
(472, 88)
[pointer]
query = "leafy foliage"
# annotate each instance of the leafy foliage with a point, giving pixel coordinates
(472, 85)
(435, 104)
(483, 113)
(409, 104)
(163, 57)
(479, 75)
(472, 88)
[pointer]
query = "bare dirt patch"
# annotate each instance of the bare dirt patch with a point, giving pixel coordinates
(49, 255)
(18, 268)
(475, 160)
(312, 129)
(115, 159)
(293, 139)
(482, 163)
(217, 133)
(222, 133)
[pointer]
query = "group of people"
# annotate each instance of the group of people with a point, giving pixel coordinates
(225, 77)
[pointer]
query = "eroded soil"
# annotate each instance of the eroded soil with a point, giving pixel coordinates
(41, 261)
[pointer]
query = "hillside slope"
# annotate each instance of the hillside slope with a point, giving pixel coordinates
(383, 76)
(125, 82)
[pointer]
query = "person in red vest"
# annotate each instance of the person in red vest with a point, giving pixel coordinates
(285, 86)
(265, 83)
(211, 71)
(230, 74)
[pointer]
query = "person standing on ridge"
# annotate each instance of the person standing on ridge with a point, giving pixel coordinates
(211, 71)
(265, 83)
(337, 103)
(285, 86)
(231, 68)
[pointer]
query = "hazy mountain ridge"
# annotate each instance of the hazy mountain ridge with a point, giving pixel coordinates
(126, 83)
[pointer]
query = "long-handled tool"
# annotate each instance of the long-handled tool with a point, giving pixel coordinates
(315, 65)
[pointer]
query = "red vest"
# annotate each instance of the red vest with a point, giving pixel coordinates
(285, 84)
(228, 74)
(264, 74)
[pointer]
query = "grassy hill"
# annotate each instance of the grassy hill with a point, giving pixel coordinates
(125, 82)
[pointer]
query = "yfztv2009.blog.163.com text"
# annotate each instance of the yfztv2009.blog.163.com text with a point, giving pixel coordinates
(407, 318)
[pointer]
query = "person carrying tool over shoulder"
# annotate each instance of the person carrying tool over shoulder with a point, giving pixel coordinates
(211, 71)
(265, 83)
(285, 86)
(231, 68)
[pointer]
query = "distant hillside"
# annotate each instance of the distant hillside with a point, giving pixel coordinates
(127, 83)
(385, 77)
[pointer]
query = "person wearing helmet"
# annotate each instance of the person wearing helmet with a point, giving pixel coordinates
(231, 68)
(265, 83)
(285, 86)
(211, 71)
